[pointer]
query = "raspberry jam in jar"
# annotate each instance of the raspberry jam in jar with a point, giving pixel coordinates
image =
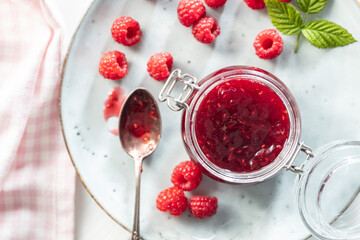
(241, 124)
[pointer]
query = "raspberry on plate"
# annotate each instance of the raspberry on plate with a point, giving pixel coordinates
(113, 65)
(206, 30)
(173, 200)
(189, 11)
(203, 207)
(268, 44)
(186, 176)
(159, 65)
(255, 4)
(215, 3)
(126, 30)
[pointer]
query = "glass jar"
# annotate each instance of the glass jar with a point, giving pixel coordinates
(194, 99)
(328, 183)
(327, 192)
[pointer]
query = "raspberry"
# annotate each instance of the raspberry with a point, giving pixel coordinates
(186, 176)
(215, 3)
(268, 44)
(126, 30)
(206, 30)
(255, 4)
(202, 207)
(189, 11)
(113, 65)
(173, 200)
(159, 65)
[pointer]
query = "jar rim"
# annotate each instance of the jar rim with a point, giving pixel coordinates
(290, 146)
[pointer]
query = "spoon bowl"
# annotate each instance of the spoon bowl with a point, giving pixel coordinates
(139, 133)
(139, 124)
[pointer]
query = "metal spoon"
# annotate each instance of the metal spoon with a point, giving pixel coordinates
(139, 132)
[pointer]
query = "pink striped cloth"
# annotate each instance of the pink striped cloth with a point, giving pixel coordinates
(36, 176)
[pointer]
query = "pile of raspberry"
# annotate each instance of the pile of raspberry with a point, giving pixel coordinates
(268, 44)
(186, 176)
(113, 64)
(192, 12)
(126, 31)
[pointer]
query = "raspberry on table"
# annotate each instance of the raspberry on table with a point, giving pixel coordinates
(173, 200)
(255, 4)
(268, 44)
(215, 3)
(206, 30)
(113, 65)
(186, 176)
(189, 11)
(126, 30)
(203, 207)
(159, 65)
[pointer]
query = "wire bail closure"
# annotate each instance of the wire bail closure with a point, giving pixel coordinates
(177, 104)
(309, 154)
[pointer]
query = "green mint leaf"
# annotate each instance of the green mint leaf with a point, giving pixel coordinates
(325, 34)
(284, 17)
(311, 6)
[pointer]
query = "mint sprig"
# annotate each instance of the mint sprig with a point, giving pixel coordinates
(320, 33)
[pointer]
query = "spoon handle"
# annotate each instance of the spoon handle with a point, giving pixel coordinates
(136, 224)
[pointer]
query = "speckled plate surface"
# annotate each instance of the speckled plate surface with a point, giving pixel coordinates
(324, 82)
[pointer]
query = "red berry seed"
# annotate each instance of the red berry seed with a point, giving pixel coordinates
(113, 65)
(206, 30)
(159, 65)
(255, 4)
(268, 44)
(126, 30)
(186, 176)
(215, 3)
(189, 11)
(173, 200)
(203, 207)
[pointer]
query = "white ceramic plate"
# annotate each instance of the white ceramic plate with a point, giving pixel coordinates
(325, 83)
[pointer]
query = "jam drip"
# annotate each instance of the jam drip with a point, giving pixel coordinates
(241, 125)
(113, 104)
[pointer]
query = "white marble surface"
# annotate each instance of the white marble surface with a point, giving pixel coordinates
(322, 81)
(91, 222)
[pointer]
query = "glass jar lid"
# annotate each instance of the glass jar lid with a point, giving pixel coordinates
(328, 191)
